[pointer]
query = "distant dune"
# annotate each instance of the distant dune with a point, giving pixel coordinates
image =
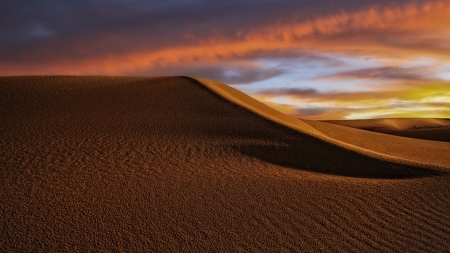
(173, 164)
(427, 129)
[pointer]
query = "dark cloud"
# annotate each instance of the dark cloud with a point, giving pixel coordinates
(390, 110)
(418, 41)
(437, 104)
(285, 55)
(297, 92)
(388, 72)
(230, 74)
(312, 112)
(315, 113)
(399, 94)
(51, 30)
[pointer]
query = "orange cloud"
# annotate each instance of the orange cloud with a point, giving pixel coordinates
(400, 30)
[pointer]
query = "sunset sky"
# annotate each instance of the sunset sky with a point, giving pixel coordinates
(328, 59)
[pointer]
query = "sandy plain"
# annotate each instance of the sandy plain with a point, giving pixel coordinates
(173, 164)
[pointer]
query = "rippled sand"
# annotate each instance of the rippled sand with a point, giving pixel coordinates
(174, 164)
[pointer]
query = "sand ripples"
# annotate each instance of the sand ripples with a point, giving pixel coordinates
(164, 164)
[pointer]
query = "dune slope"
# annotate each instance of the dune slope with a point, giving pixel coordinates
(414, 150)
(169, 164)
(391, 149)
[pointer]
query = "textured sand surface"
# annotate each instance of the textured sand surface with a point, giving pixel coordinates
(426, 129)
(170, 164)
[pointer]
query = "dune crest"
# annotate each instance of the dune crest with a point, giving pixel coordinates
(417, 128)
(390, 125)
(416, 150)
(392, 149)
(255, 106)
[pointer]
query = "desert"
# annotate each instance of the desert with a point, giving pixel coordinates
(437, 129)
(185, 164)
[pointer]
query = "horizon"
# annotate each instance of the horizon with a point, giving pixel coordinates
(318, 61)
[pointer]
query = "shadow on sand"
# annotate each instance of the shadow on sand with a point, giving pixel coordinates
(310, 154)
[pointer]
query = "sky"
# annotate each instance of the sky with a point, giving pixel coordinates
(319, 60)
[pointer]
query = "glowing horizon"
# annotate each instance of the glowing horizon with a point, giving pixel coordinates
(366, 60)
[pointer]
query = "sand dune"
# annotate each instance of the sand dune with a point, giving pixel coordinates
(426, 129)
(393, 149)
(172, 164)
(389, 125)
(427, 153)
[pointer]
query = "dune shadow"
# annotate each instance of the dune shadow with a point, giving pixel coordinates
(289, 148)
(310, 154)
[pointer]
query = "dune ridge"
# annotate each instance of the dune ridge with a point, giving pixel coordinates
(426, 151)
(390, 125)
(165, 164)
(426, 129)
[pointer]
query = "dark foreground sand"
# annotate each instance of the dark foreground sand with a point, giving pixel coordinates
(170, 164)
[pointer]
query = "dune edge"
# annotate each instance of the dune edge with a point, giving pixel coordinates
(299, 125)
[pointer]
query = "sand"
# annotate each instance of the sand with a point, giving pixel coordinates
(173, 164)
(437, 129)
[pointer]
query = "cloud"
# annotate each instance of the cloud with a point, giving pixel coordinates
(297, 92)
(233, 74)
(104, 37)
(431, 98)
(384, 72)
(409, 91)
(411, 110)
